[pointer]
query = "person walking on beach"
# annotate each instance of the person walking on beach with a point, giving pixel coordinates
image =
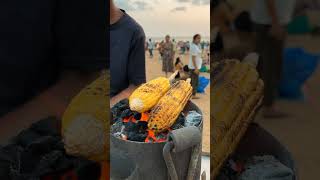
(195, 63)
(160, 49)
(168, 55)
(150, 48)
(270, 18)
(127, 54)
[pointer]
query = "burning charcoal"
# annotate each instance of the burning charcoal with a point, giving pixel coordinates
(137, 115)
(116, 127)
(131, 127)
(132, 136)
(161, 137)
(142, 125)
(193, 119)
(118, 108)
(179, 123)
(116, 120)
(124, 102)
(126, 113)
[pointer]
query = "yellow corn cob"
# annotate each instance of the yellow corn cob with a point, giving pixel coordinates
(233, 136)
(85, 123)
(229, 96)
(164, 114)
(148, 94)
(237, 92)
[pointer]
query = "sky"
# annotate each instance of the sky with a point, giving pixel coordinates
(182, 18)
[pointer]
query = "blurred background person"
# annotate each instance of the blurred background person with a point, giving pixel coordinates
(195, 63)
(150, 45)
(270, 18)
(168, 55)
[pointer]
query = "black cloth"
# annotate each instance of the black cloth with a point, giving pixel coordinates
(194, 81)
(127, 54)
(270, 52)
(40, 39)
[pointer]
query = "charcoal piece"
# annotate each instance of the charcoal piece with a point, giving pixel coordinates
(161, 136)
(10, 152)
(133, 136)
(48, 162)
(47, 126)
(116, 127)
(33, 153)
(8, 155)
(179, 122)
(4, 170)
(126, 113)
(142, 126)
(137, 115)
(122, 105)
(26, 137)
(131, 127)
(43, 144)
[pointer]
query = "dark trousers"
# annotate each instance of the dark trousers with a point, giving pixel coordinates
(270, 51)
(194, 81)
(150, 52)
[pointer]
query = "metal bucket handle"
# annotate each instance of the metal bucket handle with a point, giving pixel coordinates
(180, 140)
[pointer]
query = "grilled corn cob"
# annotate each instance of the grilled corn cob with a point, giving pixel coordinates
(230, 94)
(237, 92)
(148, 94)
(164, 114)
(85, 123)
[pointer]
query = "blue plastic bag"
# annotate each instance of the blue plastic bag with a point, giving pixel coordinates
(298, 66)
(203, 83)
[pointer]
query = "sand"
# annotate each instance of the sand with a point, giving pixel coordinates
(154, 69)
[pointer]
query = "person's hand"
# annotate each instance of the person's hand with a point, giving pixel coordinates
(197, 71)
(277, 31)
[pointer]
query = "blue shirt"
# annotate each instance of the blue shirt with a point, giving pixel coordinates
(127, 54)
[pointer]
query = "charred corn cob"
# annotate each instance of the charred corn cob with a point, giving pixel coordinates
(164, 114)
(148, 94)
(85, 123)
(237, 92)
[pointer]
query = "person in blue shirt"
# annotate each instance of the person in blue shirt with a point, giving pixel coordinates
(127, 54)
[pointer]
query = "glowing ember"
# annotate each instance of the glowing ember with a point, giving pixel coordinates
(153, 138)
(144, 117)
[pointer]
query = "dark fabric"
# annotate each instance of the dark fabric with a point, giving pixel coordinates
(40, 39)
(270, 62)
(194, 81)
(243, 22)
(150, 52)
(127, 54)
(217, 45)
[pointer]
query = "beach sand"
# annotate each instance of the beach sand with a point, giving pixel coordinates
(154, 69)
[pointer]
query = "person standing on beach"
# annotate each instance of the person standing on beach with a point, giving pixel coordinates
(127, 54)
(168, 55)
(150, 48)
(270, 18)
(160, 48)
(195, 63)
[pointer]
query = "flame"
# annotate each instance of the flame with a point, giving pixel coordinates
(126, 119)
(152, 137)
(144, 117)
